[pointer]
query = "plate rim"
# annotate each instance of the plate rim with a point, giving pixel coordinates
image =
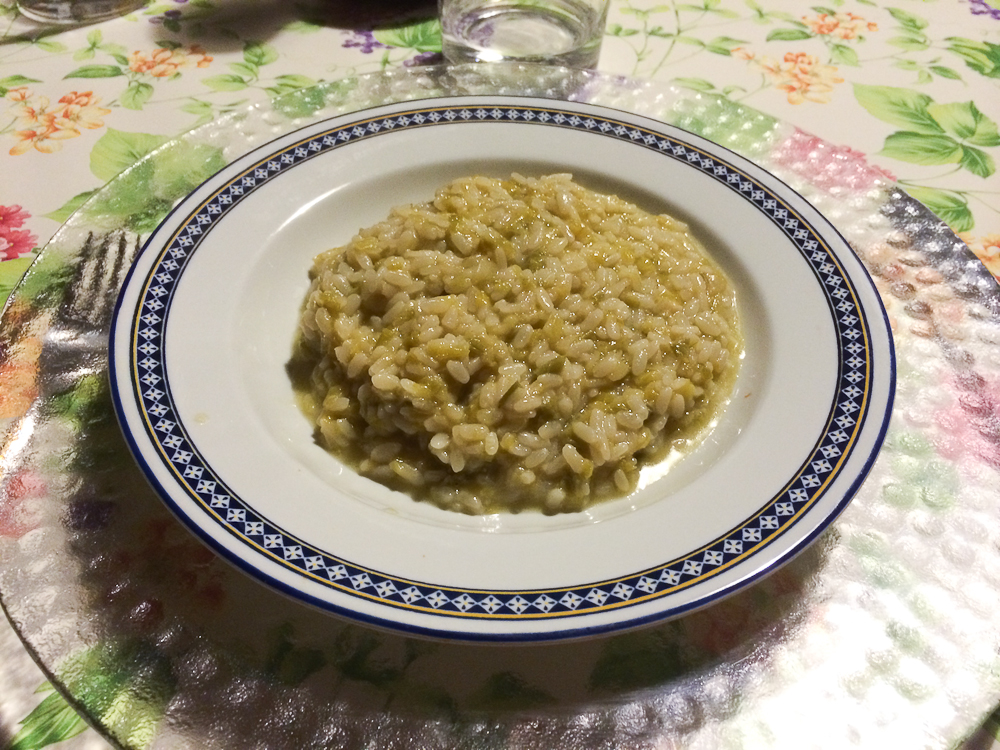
(651, 124)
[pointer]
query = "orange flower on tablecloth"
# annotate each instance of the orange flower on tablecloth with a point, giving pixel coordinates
(18, 379)
(844, 26)
(18, 94)
(40, 125)
(80, 110)
(986, 248)
(166, 63)
(801, 76)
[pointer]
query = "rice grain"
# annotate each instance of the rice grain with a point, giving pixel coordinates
(515, 344)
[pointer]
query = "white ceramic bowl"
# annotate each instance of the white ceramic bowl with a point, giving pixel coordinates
(206, 321)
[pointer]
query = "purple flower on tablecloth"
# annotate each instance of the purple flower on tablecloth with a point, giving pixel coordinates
(984, 8)
(424, 58)
(365, 41)
(482, 35)
(170, 15)
(170, 18)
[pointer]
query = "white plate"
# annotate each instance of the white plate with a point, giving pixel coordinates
(205, 323)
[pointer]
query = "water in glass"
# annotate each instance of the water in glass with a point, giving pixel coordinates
(563, 32)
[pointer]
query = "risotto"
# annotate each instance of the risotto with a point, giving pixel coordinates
(514, 344)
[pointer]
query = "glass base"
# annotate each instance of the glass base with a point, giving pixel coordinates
(458, 53)
(69, 12)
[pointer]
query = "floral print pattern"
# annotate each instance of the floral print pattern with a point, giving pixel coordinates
(983, 8)
(39, 125)
(927, 72)
(937, 128)
(14, 241)
(17, 380)
(844, 26)
(167, 63)
(802, 76)
(363, 41)
(986, 248)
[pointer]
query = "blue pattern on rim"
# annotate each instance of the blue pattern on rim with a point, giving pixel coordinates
(193, 473)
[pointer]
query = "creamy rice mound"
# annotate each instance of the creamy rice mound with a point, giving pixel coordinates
(514, 344)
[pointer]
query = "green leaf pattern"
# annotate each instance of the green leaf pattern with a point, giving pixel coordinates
(821, 45)
(424, 36)
(916, 130)
(901, 107)
(53, 720)
(933, 134)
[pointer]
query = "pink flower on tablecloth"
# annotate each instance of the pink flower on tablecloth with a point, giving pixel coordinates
(193, 579)
(971, 426)
(801, 76)
(14, 241)
(828, 166)
(166, 63)
(844, 26)
(16, 514)
(40, 125)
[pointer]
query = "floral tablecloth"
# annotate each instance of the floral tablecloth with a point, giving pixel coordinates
(900, 90)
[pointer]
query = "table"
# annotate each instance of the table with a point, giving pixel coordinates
(889, 91)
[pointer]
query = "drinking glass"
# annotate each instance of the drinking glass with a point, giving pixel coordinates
(560, 32)
(76, 11)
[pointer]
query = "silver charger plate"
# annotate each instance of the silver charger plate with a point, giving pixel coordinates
(882, 632)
